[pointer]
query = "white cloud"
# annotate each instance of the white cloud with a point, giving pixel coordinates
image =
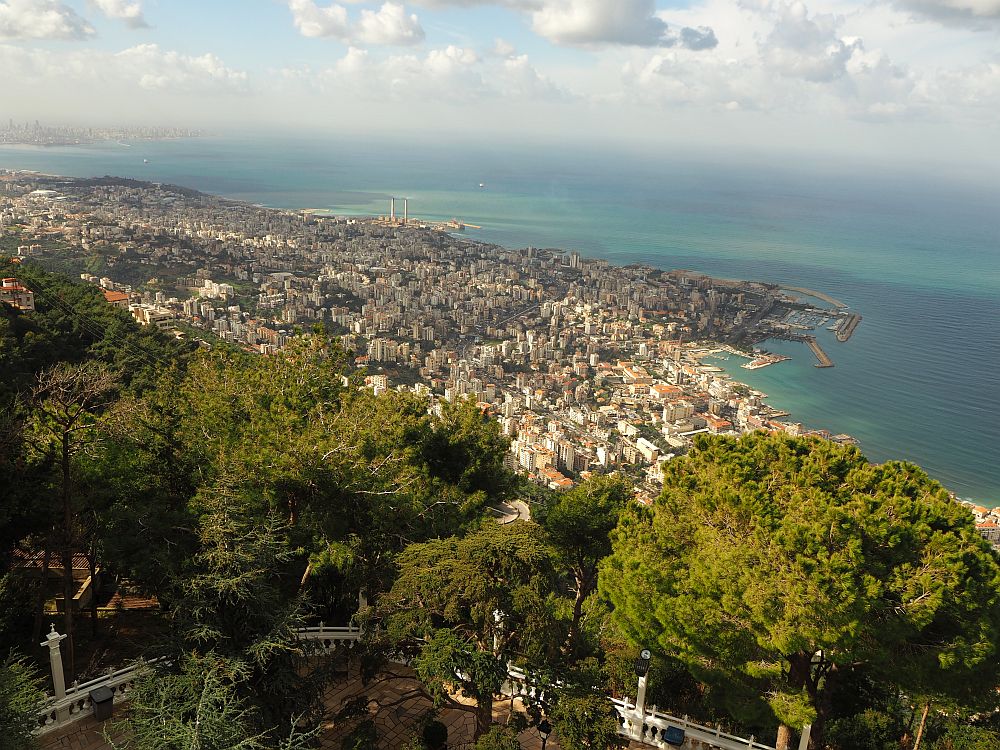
(145, 67)
(388, 25)
(777, 57)
(522, 81)
(954, 10)
(808, 47)
(599, 22)
(129, 11)
(446, 75)
(41, 19)
(595, 23)
(156, 69)
(503, 48)
(312, 20)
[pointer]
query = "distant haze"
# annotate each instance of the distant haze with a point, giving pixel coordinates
(907, 80)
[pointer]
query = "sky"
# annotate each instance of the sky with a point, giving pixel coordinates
(913, 79)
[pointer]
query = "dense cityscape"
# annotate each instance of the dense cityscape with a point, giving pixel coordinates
(518, 394)
(588, 366)
(37, 134)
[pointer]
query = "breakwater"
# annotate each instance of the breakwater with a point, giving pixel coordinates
(846, 328)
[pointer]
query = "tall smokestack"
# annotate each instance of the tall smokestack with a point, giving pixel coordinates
(392, 209)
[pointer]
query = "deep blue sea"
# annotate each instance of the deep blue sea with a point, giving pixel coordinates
(917, 253)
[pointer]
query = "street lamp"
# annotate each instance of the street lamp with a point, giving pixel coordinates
(544, 730)
(642, 672)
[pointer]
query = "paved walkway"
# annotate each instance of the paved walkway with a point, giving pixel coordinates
(393, 705)
(86, 734)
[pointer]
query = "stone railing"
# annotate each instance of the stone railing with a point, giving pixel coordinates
(328, 638)
(649, 726)
(74, 703)
(77, 704)
(652, 727)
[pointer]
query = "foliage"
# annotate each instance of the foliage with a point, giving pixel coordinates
(868, 730)
(198, 706)
(965, 737)
(464, 607)
(774, 564)
(584, 720)
(229, 600)
(498, 738)
(21, 697)
(579, 523)
(467, 449)
(363, 737)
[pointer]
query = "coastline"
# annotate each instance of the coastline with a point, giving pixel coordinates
(904, 352)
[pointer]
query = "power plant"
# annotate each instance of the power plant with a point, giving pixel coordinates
(392, 210)
(455, 225)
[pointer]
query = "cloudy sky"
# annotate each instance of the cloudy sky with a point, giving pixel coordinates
(911, 77)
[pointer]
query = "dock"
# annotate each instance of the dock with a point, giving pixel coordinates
(822, 357)
(818, 295)
(847, 326)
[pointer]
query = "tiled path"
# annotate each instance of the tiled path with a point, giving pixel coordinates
(396, 721)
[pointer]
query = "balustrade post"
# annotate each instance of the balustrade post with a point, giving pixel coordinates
(804, 740)
(52, 640)
(640, 707)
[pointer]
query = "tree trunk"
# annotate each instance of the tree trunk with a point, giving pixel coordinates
(798, 676)
(484, 716)
(923, 723)
(584, 587)
(67, 559)
(786, 735)
(823, 702)
(43, 588)
(92, 564)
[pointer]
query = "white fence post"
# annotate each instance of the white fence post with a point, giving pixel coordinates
(804, 741)
(52, 640)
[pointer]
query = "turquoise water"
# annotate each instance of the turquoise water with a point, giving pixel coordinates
(919, 257)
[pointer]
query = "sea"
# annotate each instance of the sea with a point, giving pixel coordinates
(915, 250)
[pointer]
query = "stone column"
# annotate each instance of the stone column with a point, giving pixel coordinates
(804, 741)
(640, 707)
(52, 640)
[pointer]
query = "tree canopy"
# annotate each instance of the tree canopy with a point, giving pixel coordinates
(776, 564)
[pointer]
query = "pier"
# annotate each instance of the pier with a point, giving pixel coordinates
(847, 326)
(822, 357)
(817, 295)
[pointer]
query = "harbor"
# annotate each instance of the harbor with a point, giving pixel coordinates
(764, 360)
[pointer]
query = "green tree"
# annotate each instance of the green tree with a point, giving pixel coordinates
(965, 737)
(868, 730)
(66, 400)
(584, 720)
(579, 523)
(197, 706)
(498, 738)
(236, 599)
(21, 698)
(464, 607)
(777, 564)
(467, 450)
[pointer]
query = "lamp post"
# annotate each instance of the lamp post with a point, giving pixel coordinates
(544, 730)
(642, 672)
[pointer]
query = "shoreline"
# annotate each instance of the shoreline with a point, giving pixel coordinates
(883, 449)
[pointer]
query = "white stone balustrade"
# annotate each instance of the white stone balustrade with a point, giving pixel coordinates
(646, 725)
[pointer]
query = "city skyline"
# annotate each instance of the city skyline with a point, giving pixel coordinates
(908, 79)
